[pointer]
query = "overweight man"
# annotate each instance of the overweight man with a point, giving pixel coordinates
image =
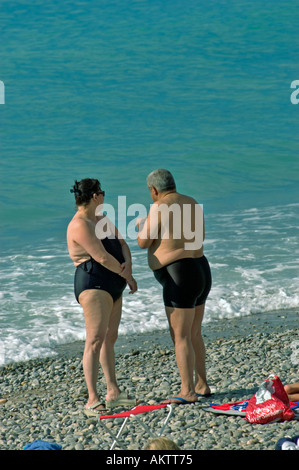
(173, 234)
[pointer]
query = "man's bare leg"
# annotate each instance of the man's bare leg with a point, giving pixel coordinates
(180, 323)
(201, 385)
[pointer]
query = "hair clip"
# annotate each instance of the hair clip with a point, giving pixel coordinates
(76, 190)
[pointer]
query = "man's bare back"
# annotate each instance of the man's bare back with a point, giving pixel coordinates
(175, 221)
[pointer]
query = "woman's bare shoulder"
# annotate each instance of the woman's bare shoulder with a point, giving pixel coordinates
(78, 225)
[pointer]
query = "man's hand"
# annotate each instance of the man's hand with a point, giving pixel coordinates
(140, 222)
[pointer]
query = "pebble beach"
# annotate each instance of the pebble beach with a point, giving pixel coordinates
(44, 398)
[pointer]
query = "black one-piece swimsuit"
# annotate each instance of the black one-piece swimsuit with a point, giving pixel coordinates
(92, 275)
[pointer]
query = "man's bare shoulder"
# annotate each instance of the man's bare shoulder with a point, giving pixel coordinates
(187, 199)
(178, 198)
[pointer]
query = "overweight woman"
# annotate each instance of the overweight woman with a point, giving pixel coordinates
(103, 269)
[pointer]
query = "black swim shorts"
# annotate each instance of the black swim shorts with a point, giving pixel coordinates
(186, 283)
(93, 275)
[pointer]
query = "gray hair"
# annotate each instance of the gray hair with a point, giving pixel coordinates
(161, 179)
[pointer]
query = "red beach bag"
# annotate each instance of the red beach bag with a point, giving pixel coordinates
(269, 403)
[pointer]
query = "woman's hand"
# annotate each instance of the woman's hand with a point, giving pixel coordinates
(126, 272)
(133, 285)
(127, 275)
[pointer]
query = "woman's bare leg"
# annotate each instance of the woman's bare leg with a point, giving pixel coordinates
(107, 355)
(97, 306)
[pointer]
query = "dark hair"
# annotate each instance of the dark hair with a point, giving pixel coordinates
(84, 190)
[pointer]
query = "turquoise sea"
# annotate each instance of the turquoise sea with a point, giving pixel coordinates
(113, 90)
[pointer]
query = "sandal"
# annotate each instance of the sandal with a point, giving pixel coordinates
(91, 410)
(121, 400)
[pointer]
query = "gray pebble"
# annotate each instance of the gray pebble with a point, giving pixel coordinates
(46, 397)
